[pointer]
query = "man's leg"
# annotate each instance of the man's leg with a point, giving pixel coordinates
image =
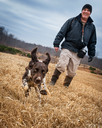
(55, 76)
(61, 65)
(71, 69)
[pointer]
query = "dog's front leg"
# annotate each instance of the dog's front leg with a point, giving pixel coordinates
(25, 81)
(44, 83)
(43, 87)
(25, 87)
(25, 84)
(44, 90)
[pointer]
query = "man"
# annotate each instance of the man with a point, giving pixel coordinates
(78, 33)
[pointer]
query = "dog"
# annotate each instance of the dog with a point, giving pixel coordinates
(34, 75)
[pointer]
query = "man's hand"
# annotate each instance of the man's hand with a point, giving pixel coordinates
(90, 58)
(56, 49)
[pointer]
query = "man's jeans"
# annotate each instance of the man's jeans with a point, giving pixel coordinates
(70, 60)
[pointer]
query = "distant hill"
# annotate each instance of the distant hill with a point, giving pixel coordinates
(9, 40)
(23, 52)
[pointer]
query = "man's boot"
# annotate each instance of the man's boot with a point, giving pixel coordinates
(67, 81)
(55, 77)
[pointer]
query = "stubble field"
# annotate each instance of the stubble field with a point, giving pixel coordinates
(78, 106)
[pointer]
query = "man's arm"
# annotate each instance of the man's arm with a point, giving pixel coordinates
(61, 34)
(92, 45)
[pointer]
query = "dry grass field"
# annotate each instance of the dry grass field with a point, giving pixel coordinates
(78, 106)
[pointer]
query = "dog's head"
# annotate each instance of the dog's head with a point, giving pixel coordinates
(39, 69)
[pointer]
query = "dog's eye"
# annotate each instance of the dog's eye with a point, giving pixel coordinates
(43, 71)
(30, 66)
(36, 70)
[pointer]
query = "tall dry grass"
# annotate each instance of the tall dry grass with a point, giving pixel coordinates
(78, 106)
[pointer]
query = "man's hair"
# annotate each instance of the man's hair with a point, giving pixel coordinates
(88, 6)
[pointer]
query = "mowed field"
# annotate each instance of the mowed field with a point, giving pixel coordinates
(78, 106)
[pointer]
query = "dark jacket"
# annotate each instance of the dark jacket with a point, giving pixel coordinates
(72, 31)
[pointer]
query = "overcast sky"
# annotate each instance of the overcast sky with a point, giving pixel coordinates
(38, 21)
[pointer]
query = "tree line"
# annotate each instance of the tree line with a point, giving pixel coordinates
(10, 40)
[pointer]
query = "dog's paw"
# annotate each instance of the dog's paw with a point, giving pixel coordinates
(25, 88)
(26, 94)
(43, 92)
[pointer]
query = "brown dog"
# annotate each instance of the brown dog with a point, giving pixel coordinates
(35, 75)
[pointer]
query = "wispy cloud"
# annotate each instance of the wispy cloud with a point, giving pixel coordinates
(38, 21)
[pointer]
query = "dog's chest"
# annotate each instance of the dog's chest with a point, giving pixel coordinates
(31, 83)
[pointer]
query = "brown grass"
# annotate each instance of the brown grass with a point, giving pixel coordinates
(79, 106)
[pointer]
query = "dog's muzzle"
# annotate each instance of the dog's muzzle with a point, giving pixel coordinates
(38, 80)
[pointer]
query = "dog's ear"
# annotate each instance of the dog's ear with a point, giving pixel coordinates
(31, 63)
(47, 61)
(26, 68)
(33, 55)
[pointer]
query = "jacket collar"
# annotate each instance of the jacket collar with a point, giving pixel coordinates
(89, 19)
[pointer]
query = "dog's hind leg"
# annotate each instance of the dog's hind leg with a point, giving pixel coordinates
(38, 93)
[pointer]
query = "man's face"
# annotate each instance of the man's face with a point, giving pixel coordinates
(85, 13)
